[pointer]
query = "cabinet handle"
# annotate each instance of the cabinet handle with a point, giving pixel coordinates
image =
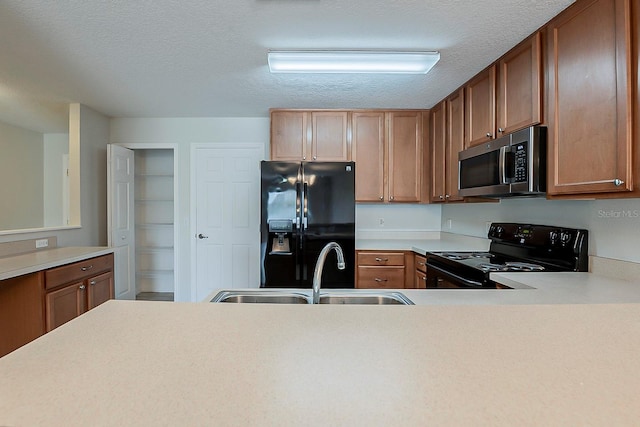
(377, 279)
(446, 196)
(424, 278)
(421, 263)
(86, 268)
(500, 130)
(315, 157)
(304, 157)
(441, 197)
(382, 259)
(617, 182)
(93, 282)
(489, 135)
(381, 197)
(82, 287)
(390, 197)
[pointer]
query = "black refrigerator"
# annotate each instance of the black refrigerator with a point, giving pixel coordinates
(304, 206)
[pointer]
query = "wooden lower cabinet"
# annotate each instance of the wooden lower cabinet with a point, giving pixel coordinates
(420, 281)
(384, 269)
(73, 289)
(21, 313)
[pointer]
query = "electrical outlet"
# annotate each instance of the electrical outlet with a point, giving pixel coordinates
(449, 223)
(381, 222)
(42, 243)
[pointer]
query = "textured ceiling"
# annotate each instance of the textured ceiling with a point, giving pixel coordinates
(207, 58)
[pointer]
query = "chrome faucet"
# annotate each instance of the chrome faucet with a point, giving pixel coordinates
(317, 274)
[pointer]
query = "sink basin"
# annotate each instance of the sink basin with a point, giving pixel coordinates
(265, 297)
(391, 298)
(304, 297)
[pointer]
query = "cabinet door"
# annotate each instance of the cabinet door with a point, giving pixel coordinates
(454, 144)
(289, 135)
(404, 146)
(519, 87)
(329, 136)
(438, 149)
(590, 99)
(480, 107)
(367, 144)
(420, 280)
(65, 304)
(99, 289)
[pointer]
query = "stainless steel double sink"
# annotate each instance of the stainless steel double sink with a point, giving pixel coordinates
(301, 296)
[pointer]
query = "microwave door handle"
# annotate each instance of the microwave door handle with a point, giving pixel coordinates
(502, 164)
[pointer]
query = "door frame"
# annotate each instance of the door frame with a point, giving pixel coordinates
(193, 195)
(177, 220)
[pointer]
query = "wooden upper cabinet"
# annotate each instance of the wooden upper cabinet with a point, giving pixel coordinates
(404, 147)
(368, 142)
(590, 95)
(438, 152)
(447, 139)
(455, 143)
(329, 136)
(289, 135)
(519, 102)
(309, 136)
(480, 108)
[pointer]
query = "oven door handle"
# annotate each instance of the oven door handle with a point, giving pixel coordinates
(467, 282)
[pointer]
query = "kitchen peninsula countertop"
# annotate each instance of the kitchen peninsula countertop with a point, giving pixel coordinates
(158, 363)
(18, 265)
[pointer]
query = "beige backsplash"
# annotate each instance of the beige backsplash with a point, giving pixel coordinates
(608, 267)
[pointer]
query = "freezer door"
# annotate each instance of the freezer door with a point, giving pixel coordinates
(280, 203)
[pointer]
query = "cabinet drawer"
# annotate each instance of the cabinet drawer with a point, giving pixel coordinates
(381, 258)
(55, 277)
(381, 277)
(421, 263)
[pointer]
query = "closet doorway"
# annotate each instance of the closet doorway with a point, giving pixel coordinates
(149, 259)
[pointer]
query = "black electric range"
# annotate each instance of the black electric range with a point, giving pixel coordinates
(514, 248)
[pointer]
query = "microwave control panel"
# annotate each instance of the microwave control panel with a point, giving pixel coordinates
(520, 162)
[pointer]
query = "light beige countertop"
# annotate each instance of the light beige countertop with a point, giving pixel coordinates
(157, 363)
(17, 265)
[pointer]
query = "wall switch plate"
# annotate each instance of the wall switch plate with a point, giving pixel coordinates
(381, 222)
(42, 243)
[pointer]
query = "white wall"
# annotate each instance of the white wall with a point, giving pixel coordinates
(56, 145)
(183, 132)
(398, 220)
(21, 178)
(614, 225)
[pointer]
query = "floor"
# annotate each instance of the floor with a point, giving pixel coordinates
(155, 296)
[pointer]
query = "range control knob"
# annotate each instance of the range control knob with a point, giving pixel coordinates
(565, 237)
(499, 231)
(553, 237)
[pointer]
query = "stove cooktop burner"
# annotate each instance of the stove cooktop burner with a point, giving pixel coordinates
(465, 255)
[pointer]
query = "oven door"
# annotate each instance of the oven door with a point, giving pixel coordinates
(441, 278)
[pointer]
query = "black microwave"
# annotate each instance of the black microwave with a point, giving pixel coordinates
(512, 165)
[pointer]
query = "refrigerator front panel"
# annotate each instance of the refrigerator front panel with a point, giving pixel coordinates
(280, 202)
(331, 276)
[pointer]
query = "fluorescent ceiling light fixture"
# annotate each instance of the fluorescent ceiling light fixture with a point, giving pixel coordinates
(352, 61)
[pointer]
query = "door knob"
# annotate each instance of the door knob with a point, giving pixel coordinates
(202, 236)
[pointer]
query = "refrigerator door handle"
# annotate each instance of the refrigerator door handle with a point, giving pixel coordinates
(304, 206)
(298, 206)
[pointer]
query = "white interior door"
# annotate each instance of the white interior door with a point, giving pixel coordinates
(121, 219)
(227, 220)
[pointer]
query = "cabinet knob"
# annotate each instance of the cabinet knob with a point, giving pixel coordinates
(500, 130)
(304, 157)
(441, 197)
(381, 197)
(390, 197)
(488, 134)
(618, 182)
(82, 287)
(446, 196)
(93, 282)
(315, 157)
